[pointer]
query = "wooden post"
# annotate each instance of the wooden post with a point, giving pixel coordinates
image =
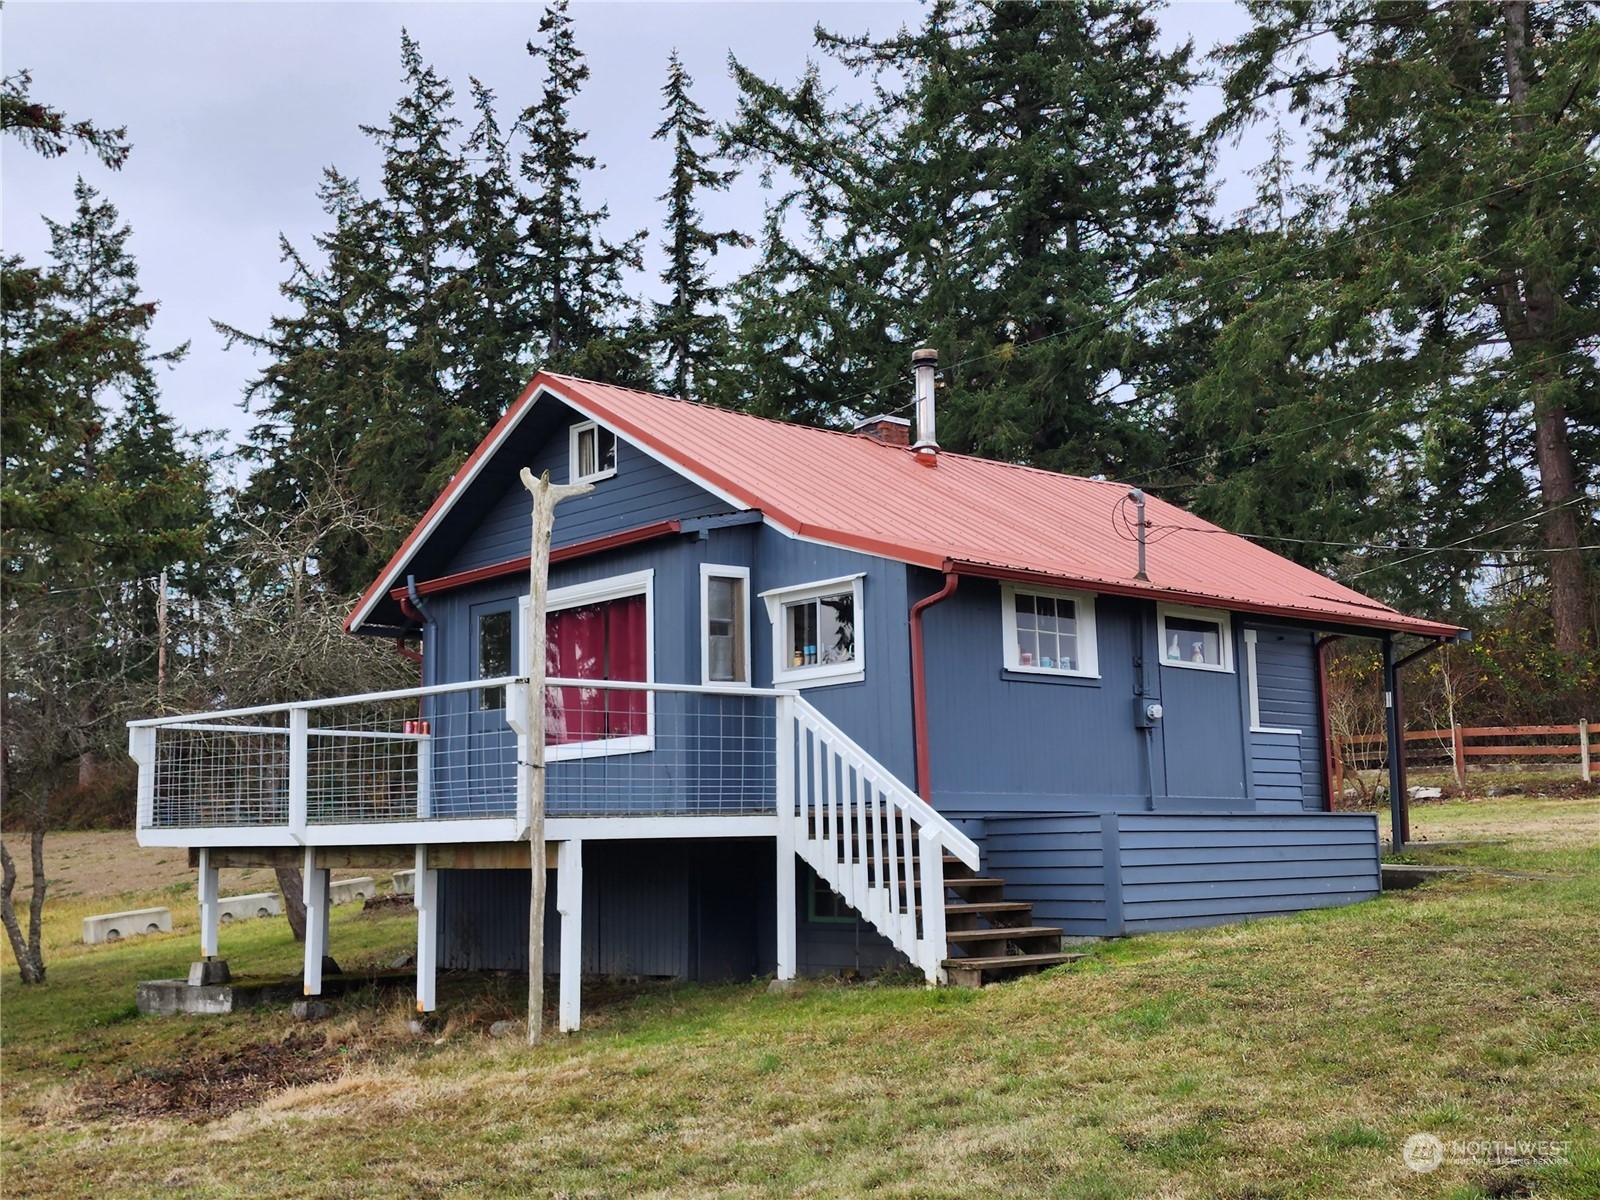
(546, 496)
(1583, 749)
(161, 638)
(1458, 755)
(1338, 772)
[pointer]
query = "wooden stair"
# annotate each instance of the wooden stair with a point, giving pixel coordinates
(990, 938)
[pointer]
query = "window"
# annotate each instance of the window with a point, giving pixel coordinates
(816, 636)
(825, 905)
(493, 656)
(1194, 637)
(594, 453)
(725, 624)
(1049, 632)
(600, 631)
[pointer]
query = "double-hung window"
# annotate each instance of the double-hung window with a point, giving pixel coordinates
(1200, 639)
(594, 452)
(817, 632)
(724, 624)
(1049, 632)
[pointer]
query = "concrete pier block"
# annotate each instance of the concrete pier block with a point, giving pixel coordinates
(405, 883)
(346, 891)
(113, 927)
(240, 908)
(209, 972)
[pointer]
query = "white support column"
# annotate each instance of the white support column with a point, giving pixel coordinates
(569, 903)
(934, 948)
(142, 749)
(425, 898)
(299, 770)
(786, 799)
(316, 899)
(208, 905)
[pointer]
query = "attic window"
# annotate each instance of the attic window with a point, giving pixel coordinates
(594, 453)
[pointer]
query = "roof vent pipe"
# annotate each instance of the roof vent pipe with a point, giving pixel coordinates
(924, 363)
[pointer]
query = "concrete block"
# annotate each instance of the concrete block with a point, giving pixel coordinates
(346, 891)
(405, 883)
(241, 908)
(113, 927)
(209, 972)
(311, 1010)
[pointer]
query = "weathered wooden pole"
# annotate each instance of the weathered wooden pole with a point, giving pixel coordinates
(546, 496)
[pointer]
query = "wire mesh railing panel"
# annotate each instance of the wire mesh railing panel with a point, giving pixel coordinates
(221, 776)
(615, 752)
(450, 753)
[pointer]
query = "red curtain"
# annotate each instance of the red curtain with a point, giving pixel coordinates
(597, 641)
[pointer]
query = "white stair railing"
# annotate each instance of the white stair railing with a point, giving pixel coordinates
(870, 837)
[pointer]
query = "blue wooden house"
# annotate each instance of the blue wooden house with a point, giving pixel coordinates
(816, 701)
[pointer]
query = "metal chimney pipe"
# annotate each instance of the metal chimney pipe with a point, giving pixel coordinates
(924, 363)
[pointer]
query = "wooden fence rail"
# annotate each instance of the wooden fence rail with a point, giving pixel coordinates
(1369, 751)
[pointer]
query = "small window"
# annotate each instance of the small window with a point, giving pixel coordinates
(494, 656)
(725, 638)
(1049, 632)
(594, 452)
(825, 905)
(817, 632)
(1195, 638)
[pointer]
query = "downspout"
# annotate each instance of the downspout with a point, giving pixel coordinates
(919, 684)
(1328, 763)
(411, 606)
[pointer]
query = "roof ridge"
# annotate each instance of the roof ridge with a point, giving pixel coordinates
(791, 426)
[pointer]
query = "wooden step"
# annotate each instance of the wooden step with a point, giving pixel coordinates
(975, 972)
(1006, 933)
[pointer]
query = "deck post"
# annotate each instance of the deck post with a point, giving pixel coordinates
(934, 948)
(785, 798)
(208, 905)
(425, 898)
(569, 903)
(316, 901)
(142, 749)
(299, 768)
(1395, 732)
(1583, 749)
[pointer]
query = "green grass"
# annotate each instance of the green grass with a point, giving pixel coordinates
(1286, 1058)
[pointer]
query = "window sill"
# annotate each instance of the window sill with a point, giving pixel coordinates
(1180, 665)
(1283, 729)
(820, 677)
(595, 478)
(641, 743)
(1022, 675)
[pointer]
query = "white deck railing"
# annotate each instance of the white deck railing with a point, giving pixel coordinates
(870, 837)
(380, 766)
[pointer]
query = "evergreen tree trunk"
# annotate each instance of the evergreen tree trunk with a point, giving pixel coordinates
(1530, 319)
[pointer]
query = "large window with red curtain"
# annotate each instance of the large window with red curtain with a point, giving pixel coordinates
(607, 640)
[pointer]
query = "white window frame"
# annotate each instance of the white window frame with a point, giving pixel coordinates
(1255, 691)
(1088, 644)
(708, 572)
(1220, 617)
(576, 431)
(616, 587)
(823, 674)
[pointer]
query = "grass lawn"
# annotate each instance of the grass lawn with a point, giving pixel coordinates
(1284, 1058)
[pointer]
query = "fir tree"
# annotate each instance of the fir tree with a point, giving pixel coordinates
(691, 332)
(1019, 175)
(1451, 284)
(583, 320)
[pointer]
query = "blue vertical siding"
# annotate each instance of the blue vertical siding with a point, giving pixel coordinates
(642, 491)
(877, 711)
(698, 910)
(1003, 741)
(1111, 874)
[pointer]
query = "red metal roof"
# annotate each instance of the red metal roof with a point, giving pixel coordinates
(970, 515)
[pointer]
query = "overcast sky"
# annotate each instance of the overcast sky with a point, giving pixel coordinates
(234, 109)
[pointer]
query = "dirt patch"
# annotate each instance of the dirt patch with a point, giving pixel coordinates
(206, 1088)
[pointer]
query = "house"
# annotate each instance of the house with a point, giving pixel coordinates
(816, 700)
